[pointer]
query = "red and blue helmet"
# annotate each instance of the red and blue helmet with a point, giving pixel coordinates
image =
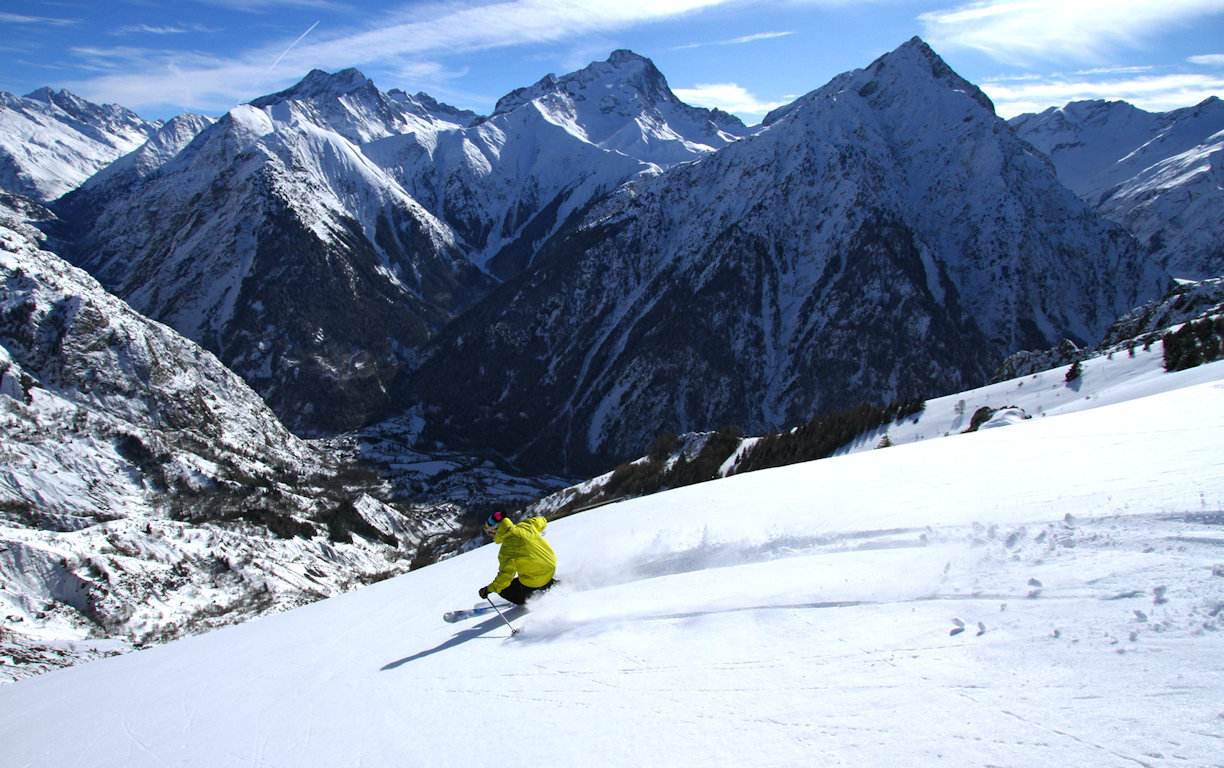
(494, 520)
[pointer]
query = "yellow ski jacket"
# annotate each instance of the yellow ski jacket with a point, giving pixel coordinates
(525, 552)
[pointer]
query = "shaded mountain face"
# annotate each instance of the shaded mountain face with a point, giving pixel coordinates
(1161, 175)
(886, 235)
(51, 141)
(316, 238)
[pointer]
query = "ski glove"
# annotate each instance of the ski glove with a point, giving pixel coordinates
(484, 593)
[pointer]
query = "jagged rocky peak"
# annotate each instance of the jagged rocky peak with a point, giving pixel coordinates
(64, 104)
(900, 75)
(65, 100)
(624, 104)
(427, 105)
(319, 84)
(51, 141)
(1091, 111)
(626, 83)
(632, 75)
(97, 118)
(918, 54)
(349, 103)
(180, 127)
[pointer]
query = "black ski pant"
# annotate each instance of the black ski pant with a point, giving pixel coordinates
(518, 592)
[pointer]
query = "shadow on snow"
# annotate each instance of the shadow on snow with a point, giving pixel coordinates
(460, 637)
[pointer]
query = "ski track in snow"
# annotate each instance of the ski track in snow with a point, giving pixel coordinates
(1049, 594)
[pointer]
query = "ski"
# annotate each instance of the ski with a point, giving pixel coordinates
(453, 616)
(478, 610)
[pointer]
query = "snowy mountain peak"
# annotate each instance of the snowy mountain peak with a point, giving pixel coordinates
(65, 100)
(428, 106)
(627, 85)
(319, 85)
(908, 72)
(628, 73)
(625, 105)
(348, 103)
(93, 118)
(917, 59)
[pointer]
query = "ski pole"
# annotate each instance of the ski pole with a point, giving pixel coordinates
(513, 629)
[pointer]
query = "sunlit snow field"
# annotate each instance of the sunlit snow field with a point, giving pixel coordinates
(1046, 594)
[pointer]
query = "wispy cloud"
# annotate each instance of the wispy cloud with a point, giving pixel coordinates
(729, 97)
(148, 29)
(1208, 60)
(271, 5)
(18, 18)
(1156, 93)
(398, 40)
(1025, 31)
(1134, 70)
(735, 40)
(756, 37)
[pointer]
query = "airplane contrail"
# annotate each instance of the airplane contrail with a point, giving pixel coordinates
(290, 48)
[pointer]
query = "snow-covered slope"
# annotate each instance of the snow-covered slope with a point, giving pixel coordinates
(1114, 377)
(50, 141)
(1048, 594)
(1158, 174)
(886, 235)
(145, 491)
(132, 168)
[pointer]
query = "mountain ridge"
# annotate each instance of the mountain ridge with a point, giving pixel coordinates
(52, 141)
(1158, 174)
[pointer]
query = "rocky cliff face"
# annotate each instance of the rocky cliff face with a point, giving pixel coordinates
(145, 491)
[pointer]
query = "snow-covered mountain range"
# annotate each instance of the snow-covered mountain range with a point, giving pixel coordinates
(52, 141)
(316, 238)
(275, 243)
(884, 236)
(1158, 174)
(546, 288)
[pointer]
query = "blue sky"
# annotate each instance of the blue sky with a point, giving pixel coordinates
(163, 57)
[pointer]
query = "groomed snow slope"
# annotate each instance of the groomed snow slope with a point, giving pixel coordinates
(806, 615)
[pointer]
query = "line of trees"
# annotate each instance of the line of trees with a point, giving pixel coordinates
(667, 464)
(1195, 343)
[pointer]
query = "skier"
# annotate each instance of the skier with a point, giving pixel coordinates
(526, 562)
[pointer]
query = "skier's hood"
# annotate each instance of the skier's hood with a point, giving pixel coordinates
(503, 528)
